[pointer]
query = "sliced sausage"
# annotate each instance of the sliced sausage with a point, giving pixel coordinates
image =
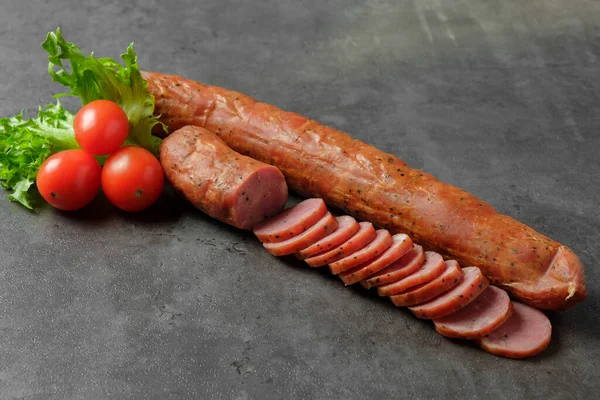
(364, 236)
(226, 185)
(322, 228)
(291, 222)
(486, 313)
(401, 244)
(408, 264)
(432, 268)
(382, 242)
(346, 228)
(459, 296)
(526, 333)
(427, 291)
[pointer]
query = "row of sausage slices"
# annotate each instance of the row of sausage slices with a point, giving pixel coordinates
(460, 301)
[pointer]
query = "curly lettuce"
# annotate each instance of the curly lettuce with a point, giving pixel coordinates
(26, 143)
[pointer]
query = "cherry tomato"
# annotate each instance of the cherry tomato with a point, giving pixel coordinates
(69, 180)
(132, 178)
(101, 127)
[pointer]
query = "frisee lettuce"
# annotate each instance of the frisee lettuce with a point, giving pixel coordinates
(26, 143)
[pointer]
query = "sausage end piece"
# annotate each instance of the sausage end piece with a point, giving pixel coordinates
(561, 287)
(222, 183)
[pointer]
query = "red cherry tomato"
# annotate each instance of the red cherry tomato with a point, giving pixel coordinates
(101, 127)
(132, 178)
(69, 180)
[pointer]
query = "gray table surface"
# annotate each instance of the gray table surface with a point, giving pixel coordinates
(499, 98)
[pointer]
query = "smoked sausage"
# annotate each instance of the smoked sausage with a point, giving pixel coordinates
(372, 185)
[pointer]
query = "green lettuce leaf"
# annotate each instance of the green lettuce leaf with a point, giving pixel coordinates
(94, 78)
(26, 143)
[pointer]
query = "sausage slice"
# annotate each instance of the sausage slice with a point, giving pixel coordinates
(291, 222)
(432, 268)
(526, 333)
(346, 228)
(365, 235)
(459, 296)
(322, 228)
(222, 183)
(383, 240)
(401, 244)
(486, 313)
(408, 264)
(427, 291)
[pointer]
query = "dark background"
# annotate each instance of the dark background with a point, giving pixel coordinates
(498, 97)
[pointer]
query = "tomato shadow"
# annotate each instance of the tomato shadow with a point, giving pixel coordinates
(98, 212)
(168, 208)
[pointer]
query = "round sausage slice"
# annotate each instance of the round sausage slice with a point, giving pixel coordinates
(220, 182)
(401, 244)
(486, 313)
(322, 228)
(459, 296)
(408, 264)
(382, 242)
(291, 222)
(365, 235)
(432, 268)
(427, 291)
(346, 228)
(526, 333)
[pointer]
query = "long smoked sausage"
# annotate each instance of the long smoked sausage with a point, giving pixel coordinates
(375, 186)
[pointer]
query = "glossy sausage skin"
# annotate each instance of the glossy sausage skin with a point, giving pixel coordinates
(375, 186)
(226, 185)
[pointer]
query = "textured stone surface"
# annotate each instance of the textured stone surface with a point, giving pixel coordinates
(500, 98)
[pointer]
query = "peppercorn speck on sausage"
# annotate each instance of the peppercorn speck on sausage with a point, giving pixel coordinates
(226, 185)
(372, 185)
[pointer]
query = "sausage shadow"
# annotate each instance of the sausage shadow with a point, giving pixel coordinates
(358, 290)
(581, 321)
